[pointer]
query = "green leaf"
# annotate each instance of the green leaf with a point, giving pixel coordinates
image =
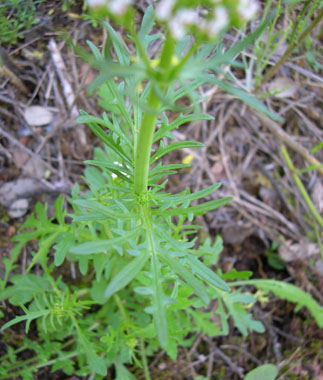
(264, 372)
(235, 275)
(289, 292)
(189, 278)
(25, 288)
(86, 119)
(159, 311)
(28, 317)
(101, 209)
(95, 362)
(146, 26)
(309, 168)
(206, 273)
(240, 46)
(317, 147)
(118, 170)
(184, 197)
(194, 210)
(103, 245)
(162, 150)
(65, 243)
(122, 372)
(245, 97)
(108, 140)
(60, 214)
(162, 170)
(67, 365)
(127, 274)
(94, 178)
(118, 45)
(182, 119)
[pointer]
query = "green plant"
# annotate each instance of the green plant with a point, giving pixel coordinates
(316, 220)
(16, 16)
(145, 280)
(287, 39)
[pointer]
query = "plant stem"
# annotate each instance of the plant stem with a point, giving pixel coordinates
(144, 359)
(147, 128)
(144, 143)
(318, 239)
(301, 187)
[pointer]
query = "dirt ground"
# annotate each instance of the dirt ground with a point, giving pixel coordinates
(266, 228)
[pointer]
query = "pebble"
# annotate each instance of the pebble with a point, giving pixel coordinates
(18, 208)
(38, 116)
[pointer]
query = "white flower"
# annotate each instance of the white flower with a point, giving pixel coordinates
(219, 21)
(116, 7)
(248, 9)
(119, 7)
(164, 9)
(182, 18)
(97, 3)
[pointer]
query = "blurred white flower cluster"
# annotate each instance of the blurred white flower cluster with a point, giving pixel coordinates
(116, 7)
(210, 17)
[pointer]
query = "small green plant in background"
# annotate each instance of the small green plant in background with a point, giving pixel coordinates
(283, 41)
(17, 16)
(145, 281)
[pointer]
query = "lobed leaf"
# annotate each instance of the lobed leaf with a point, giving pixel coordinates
(193, 210)
(289, 292)
(206, 273)
(184, 197)
(245, 97)
(162, 150)
(159, 311)
(118, 170)
(189, 278)
(103, 245)
(181, 119)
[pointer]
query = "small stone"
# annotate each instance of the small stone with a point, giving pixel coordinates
(18, 208)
